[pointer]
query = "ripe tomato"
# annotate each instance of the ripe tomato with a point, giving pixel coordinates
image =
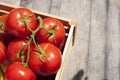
(2, 23)
(4, 36)
(53, 31)
(2, 51)
(14, 49)
(19, 21)
(16, 71)
(47, 64)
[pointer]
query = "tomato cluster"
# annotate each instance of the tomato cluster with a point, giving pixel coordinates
(30, 44)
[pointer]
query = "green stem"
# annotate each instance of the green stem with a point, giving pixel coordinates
(22, 54)
(34, 33)
(32, 38)
(1, 24)
(25, 20)
(40, 26)
(28, 53)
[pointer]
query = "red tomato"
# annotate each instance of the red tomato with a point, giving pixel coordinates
(48, 64)
(2, 51)
(14, 48)
(16, 22)
(53, 31)
(4, 36)
(2, 23)
(16, 71)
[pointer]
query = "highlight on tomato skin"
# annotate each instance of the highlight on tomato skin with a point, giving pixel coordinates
(20, 22)
(4, 36)
(52, 31)
(46, 63)
(17, 71)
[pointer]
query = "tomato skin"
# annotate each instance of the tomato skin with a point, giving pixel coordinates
(2, 20)
(50, 63)
(16, 25)
(14, 48)
(16, 71)
(49, 24)
(4, 36)
(2, 51)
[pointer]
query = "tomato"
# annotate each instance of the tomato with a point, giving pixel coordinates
(15, 49)
(19, 21)
(47, 62)
(4, 36)
(52, 31)
(2, 51)
(2, 23)
(16, 71)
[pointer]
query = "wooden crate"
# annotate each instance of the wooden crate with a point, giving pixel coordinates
(69, 25)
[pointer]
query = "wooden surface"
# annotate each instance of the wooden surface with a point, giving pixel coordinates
(95, 54)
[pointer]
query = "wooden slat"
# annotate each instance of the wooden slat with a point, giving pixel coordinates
(6, 7)
(76, 61)
(3, 12)
(13, 2)
(113, 42)
(39, 5)
(55, 7)
(26, 3)
(97, 40)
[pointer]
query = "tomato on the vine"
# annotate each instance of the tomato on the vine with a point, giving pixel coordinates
(4, 36)
(36, 47)
(20, 22)
(2, 51)
(52, 31)
(2, 23)
(17, 49)
(45, 61)
(17, 71)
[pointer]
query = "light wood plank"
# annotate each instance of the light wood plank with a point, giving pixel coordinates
(26, 3)
(76, 66)
(55, 7)
(13, 2)
(40, 5)
(113, 42)
(97, 40)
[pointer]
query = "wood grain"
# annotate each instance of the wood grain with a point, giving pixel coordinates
(55, 7)
(13, 2)
(79, 9)
(26, 3)
(113, 42)
(97, 41)
(40, 5)
(95, 54)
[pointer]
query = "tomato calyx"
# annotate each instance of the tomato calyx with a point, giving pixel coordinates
(42, 53)
(26, 20)
(1, 26)
(51, 33)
